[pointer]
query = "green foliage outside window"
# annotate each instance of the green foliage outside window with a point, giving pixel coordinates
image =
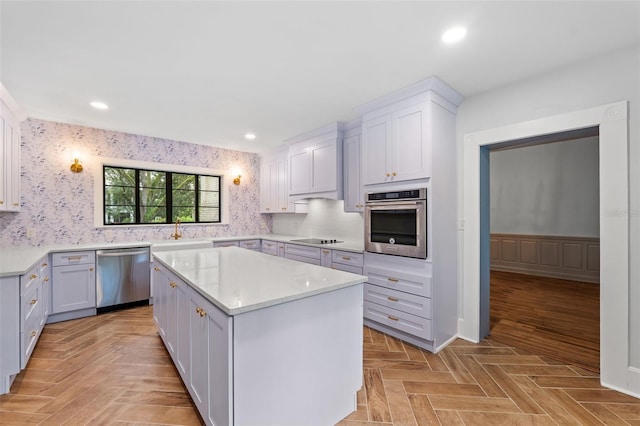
(136, 196)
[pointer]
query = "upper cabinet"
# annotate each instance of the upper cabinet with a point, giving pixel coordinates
(352, 182)
(274, 191)
(10, 117)
(315, 164)
(400, 130)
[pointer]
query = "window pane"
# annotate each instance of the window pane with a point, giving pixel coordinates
(120, 177)
(184, 182)
(115, 215)
(209, 199)
(119, 196)
(185, 214)
(208, 214)
(153, 214)
(209, 183)
(153, 179)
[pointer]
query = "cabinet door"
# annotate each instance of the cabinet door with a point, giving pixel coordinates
(282, 186)
(198, 381)
(376, 138)
(410, 156)
(160, 300)
(220, 372)
(324, 167)
(325, 258)
(183, 355)
(265, 186)
(45, 276)
(299, 172)
(74, 287)
(353, 194)
(9, 162)
(172, 315)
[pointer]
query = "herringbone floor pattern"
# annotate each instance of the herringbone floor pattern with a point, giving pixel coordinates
(113, 369)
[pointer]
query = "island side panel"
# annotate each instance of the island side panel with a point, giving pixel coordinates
(299, 362)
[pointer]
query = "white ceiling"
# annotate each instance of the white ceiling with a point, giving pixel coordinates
(209, 71)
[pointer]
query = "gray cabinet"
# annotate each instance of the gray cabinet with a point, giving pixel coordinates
(73, 288)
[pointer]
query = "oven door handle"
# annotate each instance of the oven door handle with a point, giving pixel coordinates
(395, 204)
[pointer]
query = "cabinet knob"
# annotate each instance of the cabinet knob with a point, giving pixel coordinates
(44, 265)
(155, 268)
(45, 279)
(33, 333)
(173, 285)
(388, 174)
(33, 301)
(33, 277)
(393, 174)
(1, 202)
(90, 269)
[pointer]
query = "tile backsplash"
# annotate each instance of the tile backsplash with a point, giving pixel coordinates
(57, 205)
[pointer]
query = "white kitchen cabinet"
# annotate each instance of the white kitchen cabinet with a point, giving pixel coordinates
(250, 244)
(160, 281)
(325, 258)
(171, 322)
(74, 283)
(270, 247)
(302, 253)
(352, 181)
(33, 307)
(399, 132)
(9, 331)
(347, 261)
(10, 117)
(225, 244)
(315, 164)
(274, 183)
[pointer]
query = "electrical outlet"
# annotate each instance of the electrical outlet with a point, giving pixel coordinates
(31, 233)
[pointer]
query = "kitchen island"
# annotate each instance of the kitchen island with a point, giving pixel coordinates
(258, 339)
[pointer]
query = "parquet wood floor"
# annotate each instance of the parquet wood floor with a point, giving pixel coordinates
(112, 369)
(547, 316)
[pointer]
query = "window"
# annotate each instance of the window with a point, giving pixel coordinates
(137, 196)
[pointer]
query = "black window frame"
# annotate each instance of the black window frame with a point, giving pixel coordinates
(168, 196)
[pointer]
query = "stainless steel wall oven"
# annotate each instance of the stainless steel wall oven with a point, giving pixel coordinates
(396, 223)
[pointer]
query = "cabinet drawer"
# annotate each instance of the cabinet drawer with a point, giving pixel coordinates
(30, 307)
(270, 247)
(294, 249)
(28, 280)
(304, 259)
(409, 303)
(225, 244)
(250, 244)
(73, 258)
(415, 284)
(347, 258)
(347, 268)
(412, 324)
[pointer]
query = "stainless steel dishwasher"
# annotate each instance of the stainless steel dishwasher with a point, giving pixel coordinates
(122, 277)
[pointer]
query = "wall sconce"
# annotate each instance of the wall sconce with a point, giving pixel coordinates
(237, 173)
(76, 167)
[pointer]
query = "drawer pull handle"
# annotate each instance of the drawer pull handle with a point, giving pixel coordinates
(46, 279)
(392, 318)
(326, 251)
(74, 258)
(33, 333)
(33, 277)
(201, 312)
(172, 284)
(16, 204)
(155, 268)
(33, 301)
(393, 299)
(346, 258)
(393, 280)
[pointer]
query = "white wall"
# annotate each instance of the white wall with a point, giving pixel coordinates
(549, 189)
(325, 219)
(600, 81)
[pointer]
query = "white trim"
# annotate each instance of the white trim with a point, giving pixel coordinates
(98, 187)
(614, 228)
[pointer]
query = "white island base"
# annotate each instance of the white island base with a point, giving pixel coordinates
(298, 362)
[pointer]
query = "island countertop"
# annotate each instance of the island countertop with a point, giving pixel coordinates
(238, 280)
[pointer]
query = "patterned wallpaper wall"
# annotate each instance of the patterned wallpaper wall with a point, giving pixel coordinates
(57, 205)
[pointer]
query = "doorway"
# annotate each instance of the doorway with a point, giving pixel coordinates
(612, 122)
(544, 247)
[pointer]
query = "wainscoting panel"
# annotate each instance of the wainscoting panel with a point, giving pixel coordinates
(571, 258)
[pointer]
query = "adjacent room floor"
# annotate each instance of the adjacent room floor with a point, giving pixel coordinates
(113, 369)
(547, 316)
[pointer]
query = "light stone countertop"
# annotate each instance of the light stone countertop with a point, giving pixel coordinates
(18, 260)
(238, 280)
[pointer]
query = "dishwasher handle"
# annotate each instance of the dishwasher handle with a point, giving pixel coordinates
(115, 253)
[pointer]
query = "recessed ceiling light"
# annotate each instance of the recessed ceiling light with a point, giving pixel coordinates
(99, 105)
(250, 136)
(454, 35)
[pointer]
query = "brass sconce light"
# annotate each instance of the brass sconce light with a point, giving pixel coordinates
(236, 180)
(236, 172)
(76, 167)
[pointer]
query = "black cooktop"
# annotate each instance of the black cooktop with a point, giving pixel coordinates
(316, 241)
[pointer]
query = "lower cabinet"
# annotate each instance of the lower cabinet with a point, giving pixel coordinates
(73, 290)
(34, 301)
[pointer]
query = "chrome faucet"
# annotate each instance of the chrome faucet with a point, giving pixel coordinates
(176, 234)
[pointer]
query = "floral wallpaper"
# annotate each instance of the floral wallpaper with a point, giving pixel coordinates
(57, 205)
